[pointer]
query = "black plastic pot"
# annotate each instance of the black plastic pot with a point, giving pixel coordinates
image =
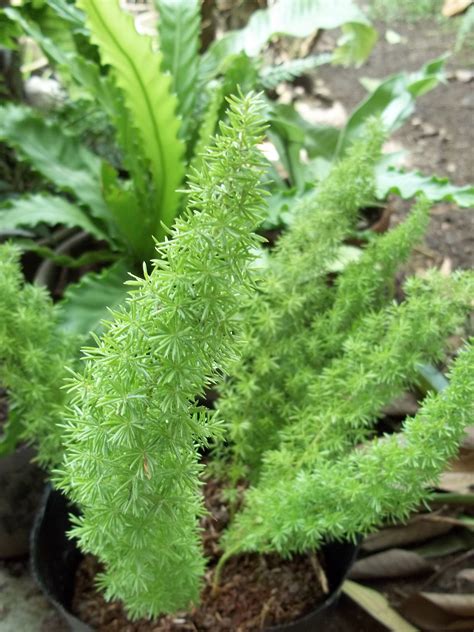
(21, 485)
(55, 560)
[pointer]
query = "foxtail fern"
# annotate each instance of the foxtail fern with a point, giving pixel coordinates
(293, 291)
(345, 497)
(131, 448)
(33, 360)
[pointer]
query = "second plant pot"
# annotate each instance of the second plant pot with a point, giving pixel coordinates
(55, 560)
(21, 483)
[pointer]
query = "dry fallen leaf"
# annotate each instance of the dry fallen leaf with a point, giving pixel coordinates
(402, 406)
(468, 441)
(462, 482)
(454, 7)
(459, 540)
(440, 611)
(465, 580)
(418, 530)
(391, 563)
(377, 606)
(460, 476)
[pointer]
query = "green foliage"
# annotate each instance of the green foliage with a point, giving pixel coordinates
(33, 358)
(136, 94)
(132, 460)
(82, 307)
(302, 407)
(178, 29)
(31, 210)
(161, 102)
(294, 287)
(149, 102)
(308, 365)
(393, 100)
(56, 155)
(356, 43)
(407, 184)
(346, 496)
(320, 363)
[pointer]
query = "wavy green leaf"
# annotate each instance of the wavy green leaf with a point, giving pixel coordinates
(178, 28)
(408, 184)
(49, 209)
(147, 95)
(88, 258)
(296, 18)
(85, 304)
(56, 155)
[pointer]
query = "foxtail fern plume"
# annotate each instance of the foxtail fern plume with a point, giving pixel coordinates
(345, 497)
(33, 360)
(131, 449)
(293, 291)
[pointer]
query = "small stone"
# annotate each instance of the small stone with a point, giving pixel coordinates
(428, 130)
(464, 75)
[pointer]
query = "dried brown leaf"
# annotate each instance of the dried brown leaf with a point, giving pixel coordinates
(440, 611)
(402, 406)
(417, 530)
(446, 545)
(392, 563)
(460, 476)
(466, 578)
(468, 441)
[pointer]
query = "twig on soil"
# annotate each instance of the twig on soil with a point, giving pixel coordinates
(319, 572)
(457, 560)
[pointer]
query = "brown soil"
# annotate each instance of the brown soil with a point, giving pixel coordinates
(255, 592)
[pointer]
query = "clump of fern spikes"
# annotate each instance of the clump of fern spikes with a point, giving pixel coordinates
(345, 496)
(132, 461)
(321, 361)
(33, 357)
